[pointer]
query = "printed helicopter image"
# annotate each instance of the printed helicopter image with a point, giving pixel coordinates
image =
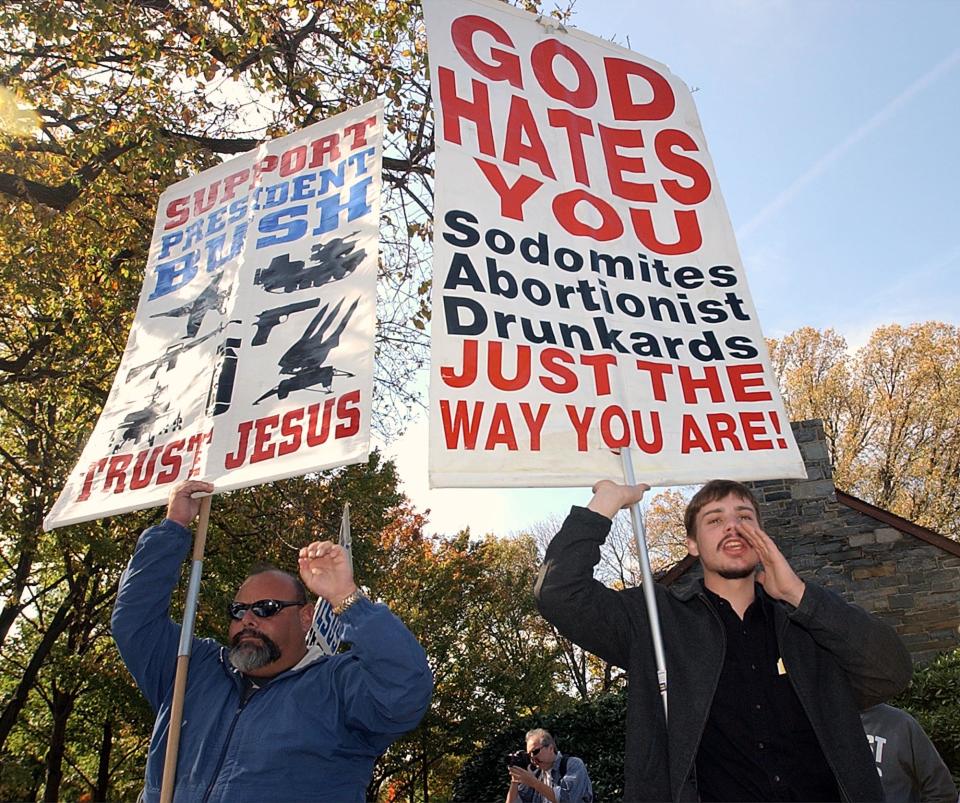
(140, 423)
(305, 362)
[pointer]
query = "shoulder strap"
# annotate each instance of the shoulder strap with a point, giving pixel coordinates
(563, 766)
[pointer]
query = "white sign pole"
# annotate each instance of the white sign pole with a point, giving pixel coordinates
(183, 655)
(345, 540)
(653, 614)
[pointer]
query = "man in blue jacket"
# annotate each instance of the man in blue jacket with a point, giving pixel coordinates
(267, 719)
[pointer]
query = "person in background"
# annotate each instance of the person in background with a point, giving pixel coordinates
(555, 777)
(910, 767)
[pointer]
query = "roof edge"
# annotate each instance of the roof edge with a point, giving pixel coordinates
(898, 523)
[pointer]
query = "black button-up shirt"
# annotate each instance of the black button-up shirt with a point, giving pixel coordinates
(758, 743)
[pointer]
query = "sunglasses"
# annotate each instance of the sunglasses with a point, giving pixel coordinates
(262, 608)
(537, 751)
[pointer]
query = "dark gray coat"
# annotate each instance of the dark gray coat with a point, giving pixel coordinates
(839, 658)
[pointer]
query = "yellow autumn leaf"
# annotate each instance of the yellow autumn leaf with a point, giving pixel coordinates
(15, 119)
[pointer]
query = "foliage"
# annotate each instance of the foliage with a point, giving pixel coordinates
(133, 96)
(666, 536)
(933, 701)
(470, 603)
(106, 730)
(586, 675)
(889, 413)
(592, 730)
(129, 98)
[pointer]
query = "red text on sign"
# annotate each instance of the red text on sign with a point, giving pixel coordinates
(623, 151)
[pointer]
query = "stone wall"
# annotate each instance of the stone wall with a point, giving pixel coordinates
(913, 584)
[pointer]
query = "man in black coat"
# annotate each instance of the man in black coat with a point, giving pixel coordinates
(767, 674)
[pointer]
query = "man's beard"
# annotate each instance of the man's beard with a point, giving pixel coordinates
(736, 574)
(250, 656)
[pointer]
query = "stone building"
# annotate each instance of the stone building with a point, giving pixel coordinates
(905, 573)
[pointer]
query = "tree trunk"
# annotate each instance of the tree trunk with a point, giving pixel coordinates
(61, 708)
(18, 700)
(30, 525)
(424, 770)
(607, 677)
(103, 767)
(12, 607)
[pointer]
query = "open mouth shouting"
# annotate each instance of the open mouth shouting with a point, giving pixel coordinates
(733, 545)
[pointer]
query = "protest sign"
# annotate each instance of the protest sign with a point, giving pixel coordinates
(588, 293)
(250, 358)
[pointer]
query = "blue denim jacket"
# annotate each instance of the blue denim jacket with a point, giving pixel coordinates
(313, 733)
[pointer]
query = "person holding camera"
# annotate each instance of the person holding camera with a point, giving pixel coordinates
(543, 773)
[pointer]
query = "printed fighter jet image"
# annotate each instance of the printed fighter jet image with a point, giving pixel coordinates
(332, 260)
(211, 297)
(305, 361)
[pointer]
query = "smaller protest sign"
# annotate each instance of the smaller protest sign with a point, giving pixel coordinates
(250, 358)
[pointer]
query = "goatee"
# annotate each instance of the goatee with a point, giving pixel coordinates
(736, 574)
(248, 656)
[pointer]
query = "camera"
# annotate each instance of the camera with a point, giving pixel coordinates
(519, 759)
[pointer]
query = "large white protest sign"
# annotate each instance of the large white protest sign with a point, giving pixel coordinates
(588, 293)
(251, 355)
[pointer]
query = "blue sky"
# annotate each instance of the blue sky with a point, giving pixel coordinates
(833, 126)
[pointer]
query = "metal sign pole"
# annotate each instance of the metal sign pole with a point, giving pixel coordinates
(183, 654)
(346, 541)
(640, 536)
